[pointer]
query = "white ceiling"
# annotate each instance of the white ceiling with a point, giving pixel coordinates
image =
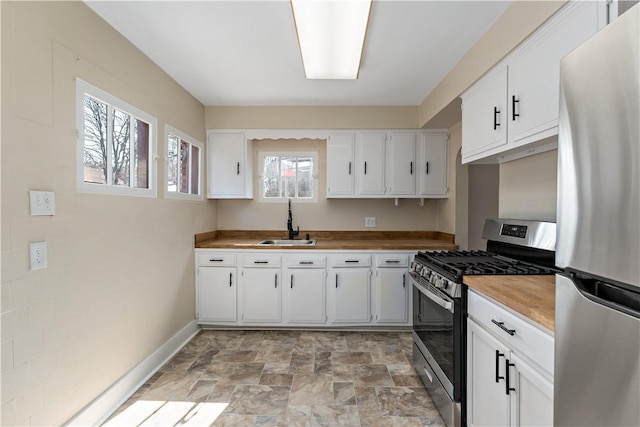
(245, 53)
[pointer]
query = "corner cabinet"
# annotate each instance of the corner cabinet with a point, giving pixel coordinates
(514, 107)
(387, 164)
(509, 368)
(229, 166)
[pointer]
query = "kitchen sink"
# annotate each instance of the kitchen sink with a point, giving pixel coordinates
(287, 242)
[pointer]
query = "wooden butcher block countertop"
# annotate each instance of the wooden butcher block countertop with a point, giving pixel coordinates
(532, 296)
(329, 240)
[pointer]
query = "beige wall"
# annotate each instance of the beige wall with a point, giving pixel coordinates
(520, 19)
(447, 207)
(120, 279)
(326, 214)
(528, 187)
(310, 117)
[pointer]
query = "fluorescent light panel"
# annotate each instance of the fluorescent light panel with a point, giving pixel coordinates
(331, 36)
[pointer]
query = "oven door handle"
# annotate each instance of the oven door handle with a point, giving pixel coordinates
(447, 305)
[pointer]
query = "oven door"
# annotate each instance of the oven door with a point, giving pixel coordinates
(435, 320)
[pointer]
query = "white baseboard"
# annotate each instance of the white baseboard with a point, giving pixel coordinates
(108, 402)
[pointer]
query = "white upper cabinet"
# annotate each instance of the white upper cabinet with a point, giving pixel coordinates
(516, 103)
(534, 73)
(431, 169)
(229, 166)
(401, 163)
(484, 111)
(340, 164)
(370, 163)
(387, 164)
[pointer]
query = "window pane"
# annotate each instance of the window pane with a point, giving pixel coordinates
(95, 141)
(172, 164)
(141, 161)
(288, 170)
(271, 177)
(195, 170)
(305, 177)
(184, 166)
(121, 141)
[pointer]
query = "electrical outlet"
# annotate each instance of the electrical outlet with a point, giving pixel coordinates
(37, 255)
(370, 221)
(42, 202)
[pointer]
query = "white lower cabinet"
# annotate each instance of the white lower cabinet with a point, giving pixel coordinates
(392, 288)
(305, 290)
(261, 289)
(509, 378)
(217, 294)
(302, 288)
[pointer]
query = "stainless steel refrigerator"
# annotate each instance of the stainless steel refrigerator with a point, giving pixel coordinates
(597, 329)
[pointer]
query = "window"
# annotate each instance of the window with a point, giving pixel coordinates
(184, 166)
(116, 145)
(288, 176)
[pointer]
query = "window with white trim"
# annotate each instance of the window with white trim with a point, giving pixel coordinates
(116, 144)
(285, 175)
(184, 165)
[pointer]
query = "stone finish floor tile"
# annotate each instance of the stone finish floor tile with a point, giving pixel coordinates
(289, 378)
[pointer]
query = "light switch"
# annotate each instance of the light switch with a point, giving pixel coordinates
(370, 221)
(42, 202)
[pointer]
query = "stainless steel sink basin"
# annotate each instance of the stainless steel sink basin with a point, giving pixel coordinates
(287, 242)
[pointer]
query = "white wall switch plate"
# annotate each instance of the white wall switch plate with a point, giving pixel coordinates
(42, 202)
(37, 255)
(370, 221)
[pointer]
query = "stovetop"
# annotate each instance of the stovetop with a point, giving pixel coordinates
(455, 264)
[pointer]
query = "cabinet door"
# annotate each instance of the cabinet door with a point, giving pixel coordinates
(370, 163)
(340, 165)
(227, 167)
(484, 114)
(487, 401)
(261, 290)
(534, 72)
(401, 163)
(392, 295)
(432, 169)
(531, 397)
(217, 294)
(305, 296)
(351, 295)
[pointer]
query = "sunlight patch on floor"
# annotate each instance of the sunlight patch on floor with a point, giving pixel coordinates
(149, 413)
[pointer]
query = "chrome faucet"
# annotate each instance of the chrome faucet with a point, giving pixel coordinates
(292, 232)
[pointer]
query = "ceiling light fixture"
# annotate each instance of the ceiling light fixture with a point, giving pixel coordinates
(331, 36)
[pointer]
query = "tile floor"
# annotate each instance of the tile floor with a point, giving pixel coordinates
(285, 378)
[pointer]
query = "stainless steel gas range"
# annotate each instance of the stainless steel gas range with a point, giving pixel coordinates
(514, 247)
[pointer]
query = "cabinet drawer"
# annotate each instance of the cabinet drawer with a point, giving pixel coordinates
(355, 260)
(392, 260)
(305, 261)
(259, 260)
(527, 339)
(216, 259)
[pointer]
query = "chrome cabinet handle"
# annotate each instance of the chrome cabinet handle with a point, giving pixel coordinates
(511, 332)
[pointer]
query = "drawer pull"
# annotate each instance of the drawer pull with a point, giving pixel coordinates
(352, 261)
(261, 262)
(511, 332)
(215, 260)
(393, 261)
(306, 263)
